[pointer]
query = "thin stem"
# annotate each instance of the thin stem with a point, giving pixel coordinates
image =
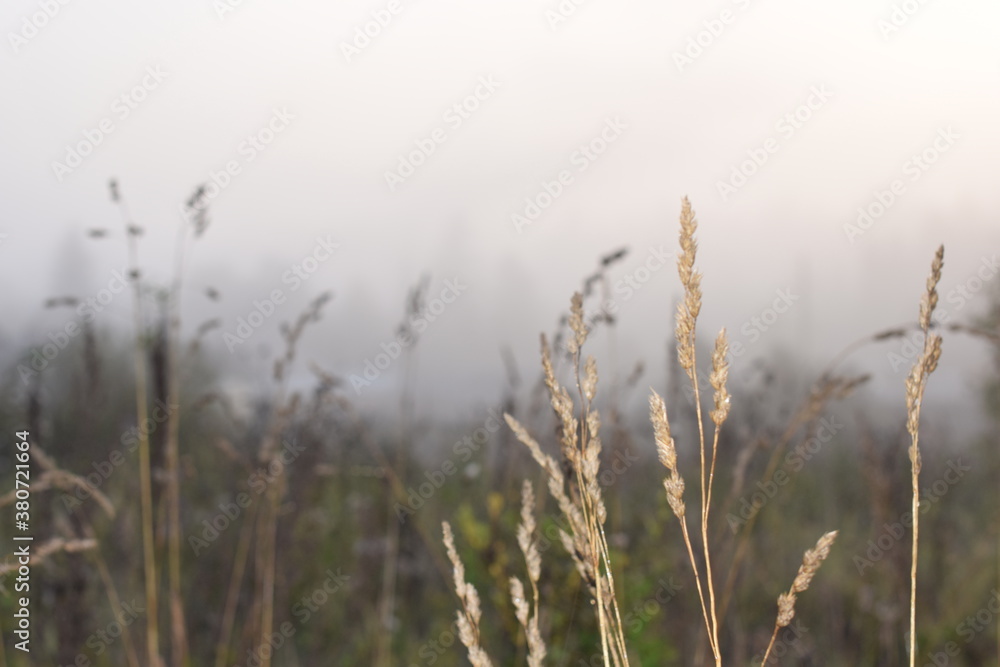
(767, 653)
(697, 581)
(916, 532)
(705, 500)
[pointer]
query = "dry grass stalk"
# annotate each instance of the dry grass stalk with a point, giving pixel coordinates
(579, 497)
(533, 561)
(916, 382)
(471, 612)
(686, 329)
(786, 601)
(674, 485)
(687, 316)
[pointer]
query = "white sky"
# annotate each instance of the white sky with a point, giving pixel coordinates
(325, 173)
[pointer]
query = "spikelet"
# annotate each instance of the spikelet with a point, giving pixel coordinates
(720, 374)
(667, 453)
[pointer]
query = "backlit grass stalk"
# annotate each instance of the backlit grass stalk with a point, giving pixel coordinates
(916, 382)
(674, 485)
(579, 498)
(582, 448)
(687, 318)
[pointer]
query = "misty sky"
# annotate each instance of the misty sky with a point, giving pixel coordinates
(415, 149)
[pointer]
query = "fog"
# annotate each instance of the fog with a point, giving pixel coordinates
(503, 149)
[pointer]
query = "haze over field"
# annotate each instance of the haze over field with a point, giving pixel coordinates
(506, 148)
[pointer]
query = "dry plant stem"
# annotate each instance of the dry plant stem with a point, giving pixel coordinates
(713, 629)
(619, 624)
(915, 385)
(770, 645)
(145, 481)
(611, 624)
(697, 581)
(914, 509)
(589, 513)
(579, 496)
(687, 318)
